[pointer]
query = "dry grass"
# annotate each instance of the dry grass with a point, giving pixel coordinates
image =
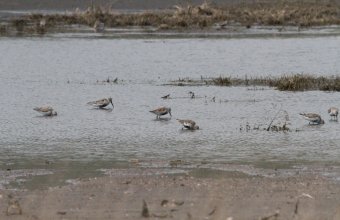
(294, 82)
(302, 82)
(222, 81)
(201, 16)
(288, 13)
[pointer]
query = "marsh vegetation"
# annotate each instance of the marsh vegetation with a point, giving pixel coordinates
(204, 16)
(290, 82)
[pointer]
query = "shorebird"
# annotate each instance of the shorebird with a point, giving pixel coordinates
(333, 112)
(161, 111)
(101, 103)
(313, 118)
(166, 96)
(99, 26)
(188, 124)
(192, 94)
(46, 110)
(42, 23)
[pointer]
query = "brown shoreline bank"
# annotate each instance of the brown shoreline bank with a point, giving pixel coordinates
(121, 194)
(206, 16)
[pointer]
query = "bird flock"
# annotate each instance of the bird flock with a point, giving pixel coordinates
(102, 103)
(313, 118)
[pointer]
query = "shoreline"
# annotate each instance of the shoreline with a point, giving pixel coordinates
(135, 167)
(59, 174)
(121, 193)
(205, 17)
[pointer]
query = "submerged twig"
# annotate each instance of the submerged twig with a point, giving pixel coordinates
(145, 210)
(274, 216)
(270, 124)
(212, 211)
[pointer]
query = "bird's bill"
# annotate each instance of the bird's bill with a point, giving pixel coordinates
(170, 113)
(112, 105)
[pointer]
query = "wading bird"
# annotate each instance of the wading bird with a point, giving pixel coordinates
(188, 124)
(101, 103)
(333, 112)
(313, 118)
(46, 111)
(99, 26)
(192, 94)
(166, 96)
(161, 111)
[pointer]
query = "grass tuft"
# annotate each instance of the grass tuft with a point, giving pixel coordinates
(222, 81)
(294, 82)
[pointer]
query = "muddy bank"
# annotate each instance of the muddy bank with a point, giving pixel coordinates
(205, 16)
(119, 4)
(121, 194)
(83, 4)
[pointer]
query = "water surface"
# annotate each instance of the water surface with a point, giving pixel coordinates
(67, 73)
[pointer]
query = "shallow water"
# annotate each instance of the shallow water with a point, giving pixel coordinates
(63, 72)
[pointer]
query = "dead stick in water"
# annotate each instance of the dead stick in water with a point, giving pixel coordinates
(145, 210)
(274, 119)
(296, 207)
(275, 215)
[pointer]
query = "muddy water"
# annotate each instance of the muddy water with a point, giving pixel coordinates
(68, 72)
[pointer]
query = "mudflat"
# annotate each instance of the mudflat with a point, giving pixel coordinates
(139, 193)
(142, 193)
